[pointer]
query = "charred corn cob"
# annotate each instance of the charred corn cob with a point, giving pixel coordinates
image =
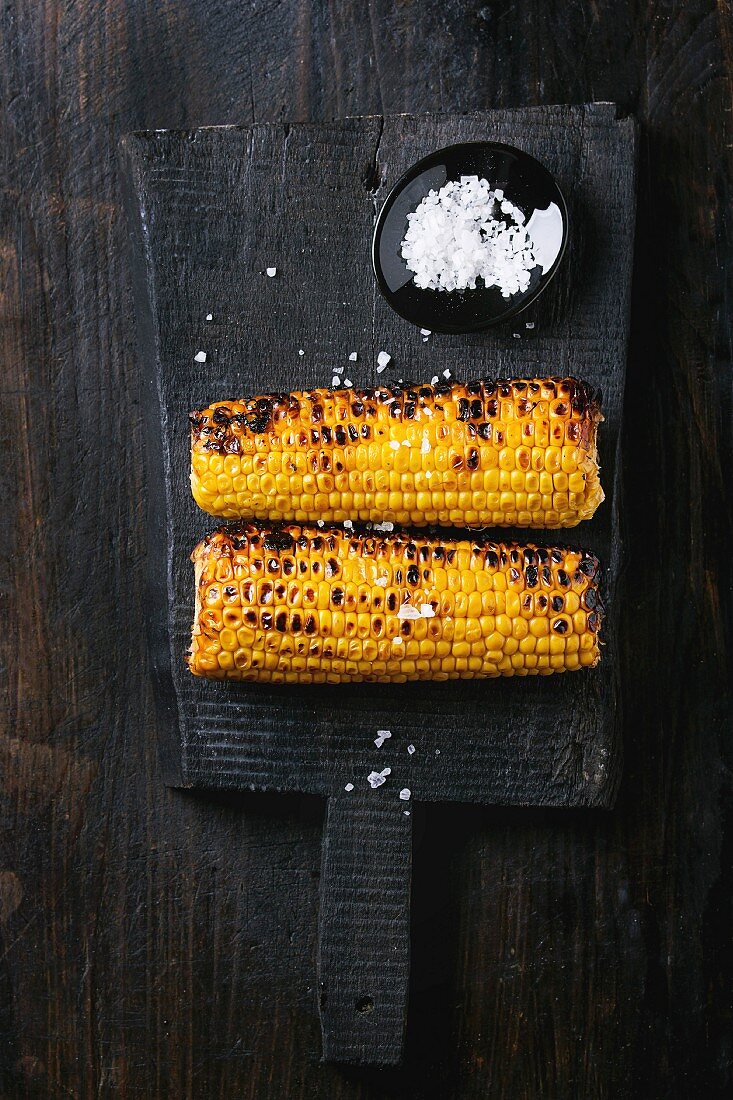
(516, 453)
(301, 605)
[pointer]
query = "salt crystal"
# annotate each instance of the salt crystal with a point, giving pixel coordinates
(397, 641)
(434, 380)
(406, 813)
(382, 582)
(348, 524)
(300, 351)
(349, 787)
(382, 736)
(394, 444)
(405, 442)
(529, 324)
(376, 779)
(200, 356)
(407, 611)
(353, 357)
(271, 271)
(405, 794)
(209, 317)
(425, 446)
(338, 370)
(426, 610)
(348, 382)
(516, 336)
(335, 381)
(383, 359)
(465, 233)
(411, 749)
(425, 332)
(385, 526)
(320, 523)
(446, 374)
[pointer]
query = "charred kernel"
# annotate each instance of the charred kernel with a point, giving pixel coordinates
(563, 579)
(556, 555)
(326, 434)
(310, 625)
(557, 603)
(332, 567)
(281, 621)
(340, 436)
(590, 598)
(473, 459)
(477, 409)
(546, 575)
(588, 566)
(266, 620)
(464, 409)
(514, 557)
(413, 575)
(484, 430)
(542, 602)
(531, 576)
(230, 590)
(593, 620)
(337, 596)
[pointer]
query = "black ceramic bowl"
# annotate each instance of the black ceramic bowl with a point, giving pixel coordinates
(525, 182)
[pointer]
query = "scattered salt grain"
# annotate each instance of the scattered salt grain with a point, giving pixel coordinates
(348, 382)
(411, 749)
(407, 611)
(335, 381)
(200, 356)
(437, 752)
(434, 380)
(406, 813)
(353, 356)
(529, 324)
(425, 446)
(426, 610)
(406, 443)
(320, 523)
(272, 271)
(516, 336)
(382, 736)
(446, 374)
(348, 524)
(383, 359)
(465, 232)
(385, 526)
(395, 445)
(209, 316)
(338, 370)
(382, 582)
(376, 779)
(397, 641)
(405, 794)
(300, 351)
(349, 787)
(425, 332)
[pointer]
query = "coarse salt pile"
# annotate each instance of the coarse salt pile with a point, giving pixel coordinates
(465, 232)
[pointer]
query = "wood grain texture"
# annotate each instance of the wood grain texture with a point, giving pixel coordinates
(304, 200)
(155, 943)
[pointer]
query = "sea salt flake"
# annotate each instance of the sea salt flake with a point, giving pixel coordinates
(394, 444)
(446, 374)
(405, 794)
(376, 779)
(425, 446)
(335, 381)
(383, 359)
(348, 524)
(272, 271)
(405, 442)
(434, 380)
(410, 749)
(348, 382)
(353, 356)
(384, 526)
(200, 356)
(425, 332)
(426, 610)
(338, 370)
(407, 611)
(406, 813)
(382, 736)
(349, 787)
(300, 351)
(397, 641)
(209, 316)
(382, 582)
(529, 324)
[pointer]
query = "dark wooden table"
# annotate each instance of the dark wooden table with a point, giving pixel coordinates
(159, 944)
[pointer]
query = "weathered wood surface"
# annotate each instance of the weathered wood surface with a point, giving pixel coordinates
(158, 944)
(210, 211)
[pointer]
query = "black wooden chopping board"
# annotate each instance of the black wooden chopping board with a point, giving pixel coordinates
(210, 211)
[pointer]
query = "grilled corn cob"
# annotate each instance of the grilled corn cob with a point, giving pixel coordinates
(516, 453)
(299, 605)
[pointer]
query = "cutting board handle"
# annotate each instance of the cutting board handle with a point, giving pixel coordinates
(364, 926)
